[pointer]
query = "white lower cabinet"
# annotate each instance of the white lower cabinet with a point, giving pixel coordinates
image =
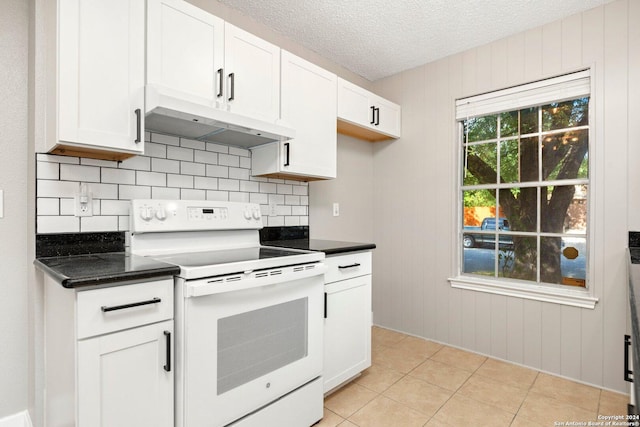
(109, 355)
(347, 327)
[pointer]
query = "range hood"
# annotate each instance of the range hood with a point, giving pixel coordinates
(179, 117)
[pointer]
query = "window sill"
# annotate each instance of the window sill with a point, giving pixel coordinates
(573, 297)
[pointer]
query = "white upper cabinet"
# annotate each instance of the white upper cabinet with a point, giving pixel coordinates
(308, 104)
(365, 115)
(252, 73)
(185, 52)
(196, 57)
(98, 76)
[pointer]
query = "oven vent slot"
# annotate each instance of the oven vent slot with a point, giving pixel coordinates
(216, 281)
(262, 274)
(233, 279)
(297, 269)
(309, 267)
(275, 272)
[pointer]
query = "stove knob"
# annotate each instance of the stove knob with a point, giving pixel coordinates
(247, 214)
(146, 213)
(161, 214)
(256, 214)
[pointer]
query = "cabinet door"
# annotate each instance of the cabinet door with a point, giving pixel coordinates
(309, 102)
(354, 105)
(387, 119)
(347, 330)
(252, 73)
(101, 73)
(126, 378)
(185, 52)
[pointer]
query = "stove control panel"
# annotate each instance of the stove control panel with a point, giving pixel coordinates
(192, 215)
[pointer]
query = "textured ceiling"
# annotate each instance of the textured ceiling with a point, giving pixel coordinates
(378, 38)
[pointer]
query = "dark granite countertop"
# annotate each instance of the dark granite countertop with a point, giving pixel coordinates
(75, 271)
(329, 247)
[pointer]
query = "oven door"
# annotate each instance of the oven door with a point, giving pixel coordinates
(244, 349)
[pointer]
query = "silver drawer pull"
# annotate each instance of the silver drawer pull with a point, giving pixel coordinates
(342, 267)
(105, 309)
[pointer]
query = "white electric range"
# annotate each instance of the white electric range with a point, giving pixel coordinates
(248, 318)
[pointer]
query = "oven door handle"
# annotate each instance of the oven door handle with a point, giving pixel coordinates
(238, 282)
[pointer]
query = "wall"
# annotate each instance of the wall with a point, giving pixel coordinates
(415, 204)
(14, 26)
(353, 191)
(172, 168)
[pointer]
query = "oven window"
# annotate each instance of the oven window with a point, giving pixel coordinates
(254, 343)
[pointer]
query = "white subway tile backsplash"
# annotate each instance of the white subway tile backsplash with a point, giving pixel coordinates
(98, 223)
(206, 157)
(165, 165)
(218, 171)
(180, 153)
(192, 143)
(172, 168)
(128, 192)
(141, 163)
(206, 183)
(118, 176)
(151, 178)
(237, 173)
(114, 207)
(155, 150)
(48, 170)
(182, 181)
(218, 195)
(229, 160)
(165, 139)
(165, 193)
(79, 173)
(243, 152)
(47, 206)
(191, 194)
(49, 188)
(217, 148)
(249, 186)
(58, 224)
(285, 189)
(188, 168)
(228, 184)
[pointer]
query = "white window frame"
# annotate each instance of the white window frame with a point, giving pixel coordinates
(556, 89)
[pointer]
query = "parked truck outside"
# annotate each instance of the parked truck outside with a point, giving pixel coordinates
(472, 240)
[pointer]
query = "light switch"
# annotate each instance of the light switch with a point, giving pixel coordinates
(336, 209)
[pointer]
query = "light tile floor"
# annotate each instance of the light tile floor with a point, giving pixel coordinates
(415, 382)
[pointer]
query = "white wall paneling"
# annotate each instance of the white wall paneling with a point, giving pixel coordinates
(411, 292)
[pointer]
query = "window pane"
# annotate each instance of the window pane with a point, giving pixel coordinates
(509, 166)
(528, 120)
(508, 124)
(523, 208)
(479, 259)
(481, 161)
(564, 209)
(478, 205)
(565, 155)
(563, 260)
(521, 262)
(562, 115)
(481, 128)
(528, 156)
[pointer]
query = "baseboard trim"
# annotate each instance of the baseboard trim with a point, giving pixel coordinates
(21, 419)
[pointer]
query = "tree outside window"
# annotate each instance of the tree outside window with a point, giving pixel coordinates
(524, 191)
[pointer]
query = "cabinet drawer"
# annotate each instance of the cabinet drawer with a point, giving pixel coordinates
(102, 311)
(346, 266)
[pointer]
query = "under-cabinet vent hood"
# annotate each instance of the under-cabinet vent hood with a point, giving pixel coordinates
(174, 116)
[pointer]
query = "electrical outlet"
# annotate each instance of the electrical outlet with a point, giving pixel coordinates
(84, 201)
(336, 209)
(272, 209)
